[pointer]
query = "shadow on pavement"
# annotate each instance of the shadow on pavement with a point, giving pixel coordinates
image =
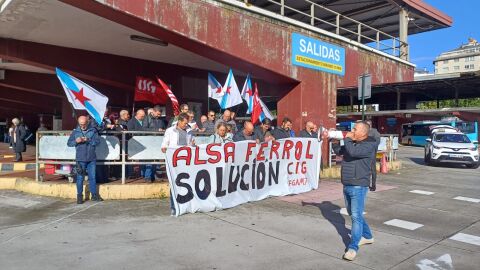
(418, 161)
(331, 212)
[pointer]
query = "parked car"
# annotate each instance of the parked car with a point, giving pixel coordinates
(449, 145)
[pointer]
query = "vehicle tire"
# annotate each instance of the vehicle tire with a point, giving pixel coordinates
(473, 166)
(428, 160)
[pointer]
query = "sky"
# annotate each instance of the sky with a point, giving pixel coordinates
(424, 47)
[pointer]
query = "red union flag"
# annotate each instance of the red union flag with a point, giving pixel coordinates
(148, 90)
(169, 93)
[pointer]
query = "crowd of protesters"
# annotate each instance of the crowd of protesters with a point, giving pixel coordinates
(179, 130)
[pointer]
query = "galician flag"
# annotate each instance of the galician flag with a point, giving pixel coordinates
(247, 94)
(260, 110)
(265, 112)
(231, 96)
(82, 96)
(215, 89)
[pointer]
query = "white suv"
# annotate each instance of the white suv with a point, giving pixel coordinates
(448, 145)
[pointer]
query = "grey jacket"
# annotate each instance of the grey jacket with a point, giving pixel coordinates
(357, 161)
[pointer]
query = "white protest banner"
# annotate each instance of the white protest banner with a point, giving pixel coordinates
(218, 176)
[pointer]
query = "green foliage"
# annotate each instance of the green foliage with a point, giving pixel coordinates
(450, 103)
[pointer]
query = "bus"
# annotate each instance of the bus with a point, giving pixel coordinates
(345, 126)
(416, 133)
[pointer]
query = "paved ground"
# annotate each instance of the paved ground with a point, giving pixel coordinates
(293, 233)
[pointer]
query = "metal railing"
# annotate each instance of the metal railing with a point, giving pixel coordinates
(116, 148)
(337, 24)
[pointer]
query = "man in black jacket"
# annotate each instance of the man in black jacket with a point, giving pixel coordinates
(309, 131)
(246, 134)
(283, 132)
(156, 122)
(19, 134)
(262, 130)
(358, 151)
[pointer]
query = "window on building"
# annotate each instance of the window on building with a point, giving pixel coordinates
(445, 61)
(456, 68)
(471, 66)
(445, 69)
(467, 66)
(470, 59)
(456, 60)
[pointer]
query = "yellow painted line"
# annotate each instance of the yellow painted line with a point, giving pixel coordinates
(8, 156)
(318, 63)
(19, 166)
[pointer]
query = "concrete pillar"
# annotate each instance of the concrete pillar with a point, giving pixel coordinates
(403, 32)
(351, 102)
(456, 97)
(399, 96)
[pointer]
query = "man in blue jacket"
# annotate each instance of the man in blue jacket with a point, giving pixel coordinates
(358, 150)
(85, 139)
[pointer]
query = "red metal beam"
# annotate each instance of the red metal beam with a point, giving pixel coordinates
(270, 73)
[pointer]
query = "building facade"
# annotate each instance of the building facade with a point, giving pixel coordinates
(466, 58)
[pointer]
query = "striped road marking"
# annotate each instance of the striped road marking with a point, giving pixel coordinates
(403, 224)
(460, 198)
(466, 238)
(423, 192)
(344, 211)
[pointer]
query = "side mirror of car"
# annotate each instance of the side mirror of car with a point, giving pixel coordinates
(428, 140)
(475, 142)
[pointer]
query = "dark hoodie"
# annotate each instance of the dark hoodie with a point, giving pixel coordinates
(357, 161)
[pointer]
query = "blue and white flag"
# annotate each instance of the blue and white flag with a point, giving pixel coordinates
(215, 89)
(231, 96)
(265, 112)
(82, 96)
(247, 94)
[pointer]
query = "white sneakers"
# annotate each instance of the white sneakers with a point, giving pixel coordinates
(351, 254)
(364, 241)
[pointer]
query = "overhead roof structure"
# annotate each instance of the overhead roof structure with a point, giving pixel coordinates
(442, 87)
(379, 14)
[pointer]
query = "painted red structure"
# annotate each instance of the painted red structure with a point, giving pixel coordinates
(229, 35)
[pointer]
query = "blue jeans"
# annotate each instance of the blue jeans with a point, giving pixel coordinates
(355, 197)
(148, 171)
(92, 184)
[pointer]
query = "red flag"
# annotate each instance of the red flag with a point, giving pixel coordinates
(148, 90)
(257, 107)
(176, 109)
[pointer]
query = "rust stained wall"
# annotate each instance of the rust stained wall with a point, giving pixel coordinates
(251, 43)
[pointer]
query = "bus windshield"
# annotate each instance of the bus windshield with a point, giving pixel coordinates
(452, 138)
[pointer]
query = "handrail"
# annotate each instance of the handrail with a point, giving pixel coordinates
(394, 49)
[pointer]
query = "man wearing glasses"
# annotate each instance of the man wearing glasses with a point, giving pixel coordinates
(209, 125)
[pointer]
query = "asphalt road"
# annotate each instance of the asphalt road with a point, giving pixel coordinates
(434, 227)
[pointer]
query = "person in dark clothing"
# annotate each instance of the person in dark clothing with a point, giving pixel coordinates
(19, 144)
(262, 130)
(85, 139)
(373, 132)
(358, 151)
(283, 132)
(246, 134)
(309, 131)
(122, 123)
(137, 123)
(209, 125)
(156, 121)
